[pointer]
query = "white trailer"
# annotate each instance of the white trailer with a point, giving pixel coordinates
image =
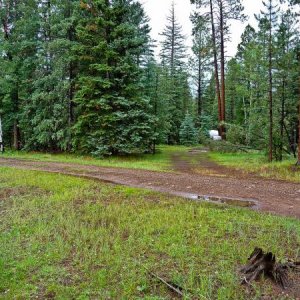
(214, 135)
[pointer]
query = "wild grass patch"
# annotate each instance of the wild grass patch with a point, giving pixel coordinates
(83, 239)
(256, 162)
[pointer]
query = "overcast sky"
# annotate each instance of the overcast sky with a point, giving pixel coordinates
(157, 10)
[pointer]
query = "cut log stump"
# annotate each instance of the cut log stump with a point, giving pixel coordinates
(261, 263)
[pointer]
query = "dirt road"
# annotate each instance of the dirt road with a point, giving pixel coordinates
(206, 179)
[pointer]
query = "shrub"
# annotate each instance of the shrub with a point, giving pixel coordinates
(188, 133)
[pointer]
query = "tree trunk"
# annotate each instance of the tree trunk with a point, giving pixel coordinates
(173, 41)
(155, 110)
(1, 137)
(223, 110)
(199, 86)
(14, 93)
(71, 104)
(216, 65)
(16, 136)
(282, 119)
(16, 129)
(71, 34)
(270, 93)
(298, 54)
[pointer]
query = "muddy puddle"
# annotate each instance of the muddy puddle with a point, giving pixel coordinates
(237, 202)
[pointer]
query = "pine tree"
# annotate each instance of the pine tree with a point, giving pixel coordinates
(172, 47)
(188, 132)
(177, 90)
(51, 109)
(270, 18)
(18, 47)
(114, 116)
(284, 78)
(223, 11)
(201, 60)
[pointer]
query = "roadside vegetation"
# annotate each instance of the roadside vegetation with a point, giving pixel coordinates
(64, 237)
(161, 161)
(256, 162)
(251, 161)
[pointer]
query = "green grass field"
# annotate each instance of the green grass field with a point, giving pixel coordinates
(256, 162)
(161, 161)
(70, 238)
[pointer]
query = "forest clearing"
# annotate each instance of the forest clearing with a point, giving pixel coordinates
(66, 237)
(150, 149)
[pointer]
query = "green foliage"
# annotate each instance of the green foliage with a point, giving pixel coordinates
(82, 76)
(188, 132)
(235, 134)
(114, 115)
(174, 88)
(247, 85)
(225, 147)
(56, 53)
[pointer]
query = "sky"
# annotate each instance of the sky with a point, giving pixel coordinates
(158, 10)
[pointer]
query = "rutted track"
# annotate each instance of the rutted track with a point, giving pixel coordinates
(273, 196)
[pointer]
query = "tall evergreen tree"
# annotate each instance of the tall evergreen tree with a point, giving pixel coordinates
(51, 110)
(222, 11)
(201, 59)
(284, 77)
(18, 47)
(114, 115)
(173, 60)
(270, 17)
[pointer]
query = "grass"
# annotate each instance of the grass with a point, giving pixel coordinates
(256, 162)
(71, 238)
(158, 162)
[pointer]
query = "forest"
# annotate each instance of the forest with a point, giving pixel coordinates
(83, 77)
(112, 185)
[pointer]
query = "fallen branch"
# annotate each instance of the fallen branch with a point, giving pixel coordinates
(177, 289)
(170, 285)
(260, 263)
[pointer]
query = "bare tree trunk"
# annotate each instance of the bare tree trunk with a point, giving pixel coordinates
(14, 93)
(223, 110)
(1, 137)
(282, 119)
(16, 129)
(155, 109)
(71, 104)
(216, 64)
(200, 106)
(16, 135)
(270, 93)
(298, 163)
(71, 33)
(173, 41)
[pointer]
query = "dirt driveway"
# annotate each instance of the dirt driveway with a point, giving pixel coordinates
(207, 180)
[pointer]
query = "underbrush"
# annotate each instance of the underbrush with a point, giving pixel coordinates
(70, 238)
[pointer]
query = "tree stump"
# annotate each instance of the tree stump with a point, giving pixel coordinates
(261, 263)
